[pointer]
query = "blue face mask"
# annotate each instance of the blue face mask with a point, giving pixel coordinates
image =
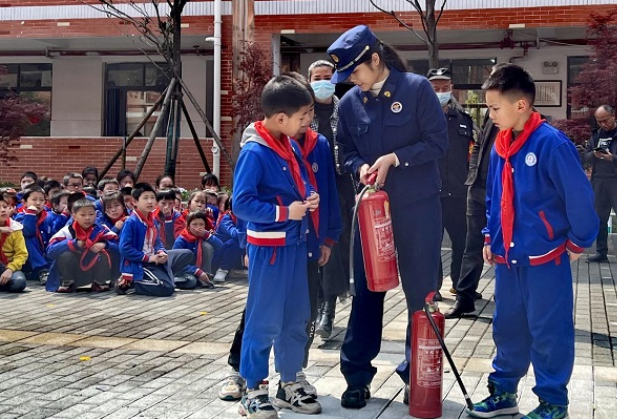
(324, 89)
(444, 98)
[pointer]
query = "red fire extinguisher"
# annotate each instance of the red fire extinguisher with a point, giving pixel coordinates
(426, 373)
(379, 253)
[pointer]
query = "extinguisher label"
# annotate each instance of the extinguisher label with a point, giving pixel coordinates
(429, 362)
(385, 239)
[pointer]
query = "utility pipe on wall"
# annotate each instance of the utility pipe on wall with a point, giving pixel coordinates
(216, 123)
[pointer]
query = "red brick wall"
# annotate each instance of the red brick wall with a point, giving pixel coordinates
(54, 157)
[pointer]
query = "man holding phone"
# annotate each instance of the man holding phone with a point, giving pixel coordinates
(601, 154)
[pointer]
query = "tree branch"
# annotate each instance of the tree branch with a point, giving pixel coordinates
(393, 14)
(443, 5)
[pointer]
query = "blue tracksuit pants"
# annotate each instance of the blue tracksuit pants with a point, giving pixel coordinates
(277, 312)
(533, 322)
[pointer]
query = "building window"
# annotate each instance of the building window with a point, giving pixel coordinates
(468, 75)
(575, 65)
(131, 89)
(31, 82)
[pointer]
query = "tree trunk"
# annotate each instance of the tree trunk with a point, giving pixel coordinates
(431, 34)
(173, 130)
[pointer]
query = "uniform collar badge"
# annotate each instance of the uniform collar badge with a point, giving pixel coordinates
(396, 107)
(387, 93)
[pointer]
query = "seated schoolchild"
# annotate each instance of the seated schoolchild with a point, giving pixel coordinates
(146, 266)
(211, 182)
(114, 217)
(13, 252)
(212, 207)
(35, 233)
(11, 196)
(105, 186)
(81, 252)
(50, 188)
(222, 204)
(202, 243)
(59, 214)
(169, 222)
(129, 202)
(164, 182)
(178, 206)
(73, 182)
(231, 255)
(126, 178)
(90, 176)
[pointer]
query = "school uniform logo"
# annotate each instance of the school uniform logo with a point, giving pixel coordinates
(531, 159)
(396, 107)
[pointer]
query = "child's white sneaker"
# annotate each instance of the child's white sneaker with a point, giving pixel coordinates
(233, 388)
(308, 387)
(256, 403)
(292, 396)
(220, 276)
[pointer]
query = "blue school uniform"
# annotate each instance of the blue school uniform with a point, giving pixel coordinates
(187, 241)
(277, 309)
(553, 212)
(65, 241)
(36, 234)
(137, 243)
(230, 255)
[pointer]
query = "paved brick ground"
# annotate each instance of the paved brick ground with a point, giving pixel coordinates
(105, 356)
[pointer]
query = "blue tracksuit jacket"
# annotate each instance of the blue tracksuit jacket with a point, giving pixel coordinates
(263, 190)
(321, 163)
(65, 241)
(134, 251)
(36, 235)
(553, 201)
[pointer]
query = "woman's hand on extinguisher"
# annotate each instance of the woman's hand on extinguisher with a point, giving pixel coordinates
(381, 166)
(487, 254)
(364, 174)
(325, 255)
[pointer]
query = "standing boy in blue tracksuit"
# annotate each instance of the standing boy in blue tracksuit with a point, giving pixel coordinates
(272, 194)
(540, 217)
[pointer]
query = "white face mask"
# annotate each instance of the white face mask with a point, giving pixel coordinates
(444, 97)
(324, 89)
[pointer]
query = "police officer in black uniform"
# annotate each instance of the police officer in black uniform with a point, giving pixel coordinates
(389, 122)
(453, 170)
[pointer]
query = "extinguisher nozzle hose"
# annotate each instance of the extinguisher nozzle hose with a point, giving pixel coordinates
(354, 221)
(448, 356)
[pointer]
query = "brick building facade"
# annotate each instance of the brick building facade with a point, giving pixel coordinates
(90, 69)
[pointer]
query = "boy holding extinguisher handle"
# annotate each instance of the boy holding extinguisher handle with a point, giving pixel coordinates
(540, 217)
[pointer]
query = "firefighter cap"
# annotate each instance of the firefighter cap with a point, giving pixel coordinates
(349, 50)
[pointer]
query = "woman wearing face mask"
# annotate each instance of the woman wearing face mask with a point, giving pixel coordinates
(335, 274)
(390, 122)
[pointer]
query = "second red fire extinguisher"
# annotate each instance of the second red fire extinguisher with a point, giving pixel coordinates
(379, 252)
(426, 372)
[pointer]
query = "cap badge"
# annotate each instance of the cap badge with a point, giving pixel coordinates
(387, 93)
(334, 58)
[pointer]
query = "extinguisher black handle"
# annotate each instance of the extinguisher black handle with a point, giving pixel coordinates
(448, 357)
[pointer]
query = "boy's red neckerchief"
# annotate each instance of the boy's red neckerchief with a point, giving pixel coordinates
(283, 148)
(307, 147)
(506, 148)
(150, 228)
(40, 219)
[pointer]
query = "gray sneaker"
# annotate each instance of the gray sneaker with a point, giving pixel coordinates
(256, 404)
(233, 388)
(292, 396)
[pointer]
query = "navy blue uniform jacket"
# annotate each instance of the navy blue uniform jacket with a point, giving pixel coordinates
(405, 119)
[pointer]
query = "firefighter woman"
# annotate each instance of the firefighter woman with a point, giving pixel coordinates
(391, 123)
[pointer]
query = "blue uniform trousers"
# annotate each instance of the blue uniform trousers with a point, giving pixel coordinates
(277, 312)
(417, 236)
(528, 327)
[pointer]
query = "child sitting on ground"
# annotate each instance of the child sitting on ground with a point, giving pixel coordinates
(50, 188)
(202, 243)
(59, 214)
(169, 222)
(115, 212)
(35, 233)
(81, 252)
(231, 254)
(145, 265)
(13, 252)
(212, 207)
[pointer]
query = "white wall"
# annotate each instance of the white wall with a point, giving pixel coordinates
(77, 97)
(532, 63)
